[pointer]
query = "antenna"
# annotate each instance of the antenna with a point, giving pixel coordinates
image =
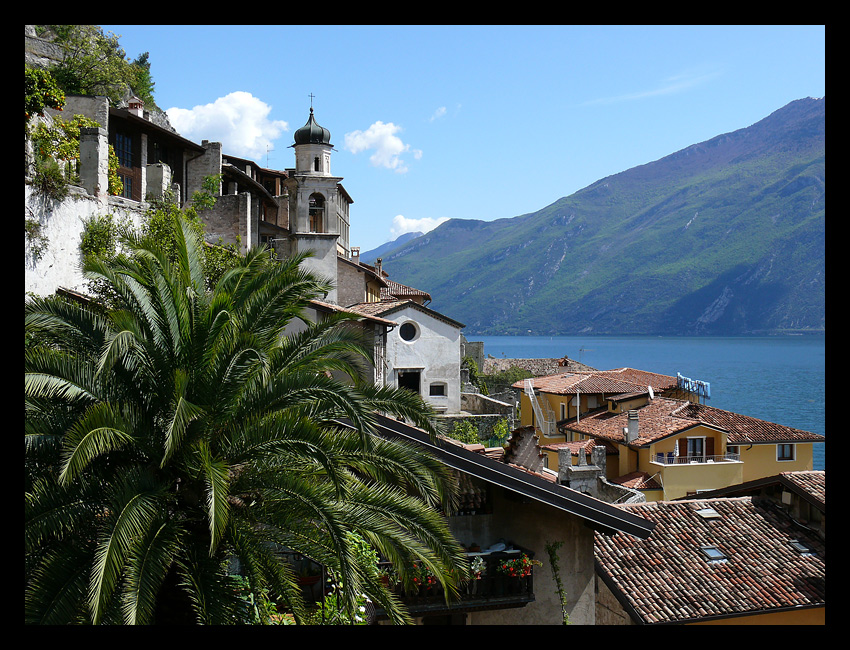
(581, 351)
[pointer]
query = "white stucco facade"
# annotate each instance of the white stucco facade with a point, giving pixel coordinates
(423, 354)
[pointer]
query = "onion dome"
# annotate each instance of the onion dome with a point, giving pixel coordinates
(312, 133)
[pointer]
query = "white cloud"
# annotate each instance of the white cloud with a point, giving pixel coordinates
(387, 146)
(438, 113)
(239, 121)
(402, 224)
(669, 86)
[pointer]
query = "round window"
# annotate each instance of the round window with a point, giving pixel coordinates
(407, 331)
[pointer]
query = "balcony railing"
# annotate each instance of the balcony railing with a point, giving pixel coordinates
(692, 459)
(490, 590)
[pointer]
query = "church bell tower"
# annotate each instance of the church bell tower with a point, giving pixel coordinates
(321, 205)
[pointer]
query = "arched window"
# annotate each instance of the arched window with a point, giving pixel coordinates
(316, 167)
(317, 213)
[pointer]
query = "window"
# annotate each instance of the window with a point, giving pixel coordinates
(437, 390)
(713, 554)
(316, 167)
(127, 182)
(803, 548)
(407, 331)
(124, 149)
(563, 411)
(317, 212)
(708, 513)
(696, 448)
(785, 452)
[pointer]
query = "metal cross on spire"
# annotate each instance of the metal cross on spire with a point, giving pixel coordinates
(311, 95)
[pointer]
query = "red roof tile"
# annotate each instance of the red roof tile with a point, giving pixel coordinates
(609, 382)
(666, 578)
(662, 417)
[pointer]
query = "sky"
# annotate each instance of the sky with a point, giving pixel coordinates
(485, 122)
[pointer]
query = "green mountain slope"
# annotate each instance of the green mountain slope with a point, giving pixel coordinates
(724, 237)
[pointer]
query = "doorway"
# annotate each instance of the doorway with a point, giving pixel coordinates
(410, 379)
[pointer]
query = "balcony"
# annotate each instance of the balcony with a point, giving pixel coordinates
(670, 459)
(492, 590)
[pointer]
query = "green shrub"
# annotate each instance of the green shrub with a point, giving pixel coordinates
(465, 431)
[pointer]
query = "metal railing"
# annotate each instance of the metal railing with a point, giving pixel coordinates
(490, 588)
(694, 459)
(545, 421)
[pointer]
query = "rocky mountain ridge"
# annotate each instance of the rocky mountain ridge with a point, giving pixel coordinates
(725, 237)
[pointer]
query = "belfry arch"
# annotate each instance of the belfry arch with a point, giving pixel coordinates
(316, 213)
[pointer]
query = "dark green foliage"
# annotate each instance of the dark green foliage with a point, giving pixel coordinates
(181, 429)
(40, 91)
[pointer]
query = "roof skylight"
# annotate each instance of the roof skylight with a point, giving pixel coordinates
(804, 549)
(713, 554)
(708, 513)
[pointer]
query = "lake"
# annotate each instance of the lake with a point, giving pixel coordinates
(774, 378)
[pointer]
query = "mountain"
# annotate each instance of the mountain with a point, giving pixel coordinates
(725, 237)
(383, 249)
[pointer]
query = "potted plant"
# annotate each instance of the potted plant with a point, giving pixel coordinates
(519, 567)
(423, 578)
(515, 569)
(477, 569)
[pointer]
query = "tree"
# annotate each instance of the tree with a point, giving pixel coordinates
(40, 92)
(94, 63)
(181, 430)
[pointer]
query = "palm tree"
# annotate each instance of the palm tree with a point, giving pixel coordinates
(182, 430)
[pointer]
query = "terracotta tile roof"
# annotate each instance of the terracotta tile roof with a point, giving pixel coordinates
(640, 377)
(666, 578)
(373, 308)
(354, 309)
(387, 307)
(586, 445)
(609, 382)
(811, 482)
(572, 383)
(743, 429)
(395, 290)
(638, 481)
(656, 421)
(662, 417)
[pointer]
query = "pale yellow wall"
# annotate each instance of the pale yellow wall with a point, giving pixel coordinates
(679, 480)
(760, 461)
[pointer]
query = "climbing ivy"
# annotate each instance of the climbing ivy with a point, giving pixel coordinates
(60, 141)
(40, 91)
(37, 241)
(552, 550)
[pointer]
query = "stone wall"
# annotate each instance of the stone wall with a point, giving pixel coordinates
(230, 220)
(537, 367)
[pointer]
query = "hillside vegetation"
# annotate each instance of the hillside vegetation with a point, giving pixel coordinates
(724, 237)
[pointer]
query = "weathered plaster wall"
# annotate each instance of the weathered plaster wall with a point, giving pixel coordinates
(531, 525)
(62, 225)
(435, 350)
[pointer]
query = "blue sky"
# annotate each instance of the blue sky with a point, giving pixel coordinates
(472, 122)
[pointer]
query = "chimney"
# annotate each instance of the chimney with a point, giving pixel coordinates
(355, 254)
(631, 431)
(378, 263)
(136, 106)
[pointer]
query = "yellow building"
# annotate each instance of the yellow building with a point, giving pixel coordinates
(668, 444)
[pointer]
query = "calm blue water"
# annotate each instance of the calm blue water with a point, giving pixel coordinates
(776, 378)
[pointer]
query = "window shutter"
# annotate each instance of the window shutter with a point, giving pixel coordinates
(709, 446)
(683, 447)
